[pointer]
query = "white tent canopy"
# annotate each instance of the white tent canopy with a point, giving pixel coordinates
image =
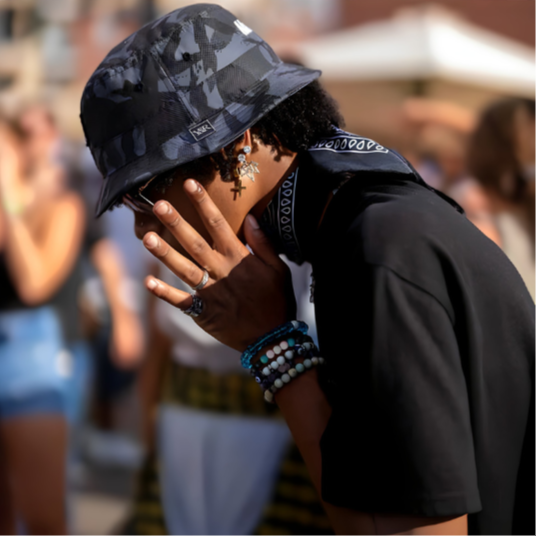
(423, 44)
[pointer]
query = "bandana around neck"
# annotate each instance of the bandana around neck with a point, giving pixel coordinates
(288, 218)
(331, 157)
(327, 164)
(278, 220)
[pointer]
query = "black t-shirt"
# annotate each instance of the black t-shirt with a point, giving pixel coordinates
(428, 332)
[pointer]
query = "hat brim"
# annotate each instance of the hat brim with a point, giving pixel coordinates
(228, 124)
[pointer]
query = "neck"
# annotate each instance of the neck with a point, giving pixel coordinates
(291, 211)
(274, 172)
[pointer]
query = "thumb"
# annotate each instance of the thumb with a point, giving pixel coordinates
(260, 245)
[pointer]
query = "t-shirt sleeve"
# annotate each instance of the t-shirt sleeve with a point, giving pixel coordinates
(399, 439)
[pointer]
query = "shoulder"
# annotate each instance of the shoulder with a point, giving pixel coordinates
(399, 221)
(399, 225)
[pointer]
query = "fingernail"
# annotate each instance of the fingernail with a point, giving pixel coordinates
(151, 284)
(191, 186)
(151, 241)
(253, 221)
(162, 209)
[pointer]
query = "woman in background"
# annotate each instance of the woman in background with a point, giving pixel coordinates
(501, 158)
(206, 429)
(41, 228)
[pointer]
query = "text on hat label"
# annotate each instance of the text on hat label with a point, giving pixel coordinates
(202, 130)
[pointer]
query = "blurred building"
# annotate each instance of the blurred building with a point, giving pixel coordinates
(511, 18)
(423, 51)
(49, 48)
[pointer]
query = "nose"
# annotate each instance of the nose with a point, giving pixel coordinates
(143, 223)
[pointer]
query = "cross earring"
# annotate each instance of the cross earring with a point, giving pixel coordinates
(237, 190)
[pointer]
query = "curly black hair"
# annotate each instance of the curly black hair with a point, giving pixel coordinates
(293, 125)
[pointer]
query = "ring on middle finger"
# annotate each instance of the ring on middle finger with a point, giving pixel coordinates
(203, 281)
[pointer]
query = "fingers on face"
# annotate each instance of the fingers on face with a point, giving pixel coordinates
(184, 269)
(173, 296)
(188, 237)
(214, 221)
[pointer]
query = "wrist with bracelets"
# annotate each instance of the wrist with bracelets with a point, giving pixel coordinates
(285, 353)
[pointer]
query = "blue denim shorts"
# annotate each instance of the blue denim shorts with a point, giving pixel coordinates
(45, 402)
(33, 370)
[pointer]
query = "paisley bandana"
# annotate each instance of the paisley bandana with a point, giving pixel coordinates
(334, 160)
(277, 221)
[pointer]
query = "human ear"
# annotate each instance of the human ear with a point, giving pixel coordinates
(247, 139)
(235, 148)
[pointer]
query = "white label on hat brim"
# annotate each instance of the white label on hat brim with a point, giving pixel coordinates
(242, 27)
(202, 130)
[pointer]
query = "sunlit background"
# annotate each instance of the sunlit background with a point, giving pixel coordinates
(466, 52)
(411, 74)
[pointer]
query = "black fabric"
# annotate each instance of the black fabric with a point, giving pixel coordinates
(428, 332)
(63, 301)
(9, 299)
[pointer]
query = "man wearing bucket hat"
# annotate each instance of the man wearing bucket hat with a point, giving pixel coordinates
(416, 413)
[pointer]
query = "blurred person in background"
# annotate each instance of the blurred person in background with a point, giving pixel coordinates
(41, 229)
(501, 158)
(113, 307)
(45, 149)
(103, 347)
(441, 132)
(206, 429)
(438, 131)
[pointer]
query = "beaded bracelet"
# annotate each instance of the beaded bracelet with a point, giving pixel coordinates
(281, 380)
(276, 357)
(284, 367)
(252, 350)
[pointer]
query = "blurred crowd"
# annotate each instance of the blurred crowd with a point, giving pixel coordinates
(94, 373)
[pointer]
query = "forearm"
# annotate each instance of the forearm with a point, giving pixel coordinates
(39, 257)
(307, 412)
(26, 263)
(128, 336)
(111, 268)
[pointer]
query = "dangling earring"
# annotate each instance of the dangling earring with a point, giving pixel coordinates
(247, 169)
(237, 185)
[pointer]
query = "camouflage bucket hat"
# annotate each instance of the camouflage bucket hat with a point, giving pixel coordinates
(179, 88)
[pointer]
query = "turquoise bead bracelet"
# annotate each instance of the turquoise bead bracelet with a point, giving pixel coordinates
(270, 337)
(286, 360)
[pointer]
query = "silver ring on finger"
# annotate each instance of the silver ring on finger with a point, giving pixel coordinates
(203, 281)
(196, 308)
